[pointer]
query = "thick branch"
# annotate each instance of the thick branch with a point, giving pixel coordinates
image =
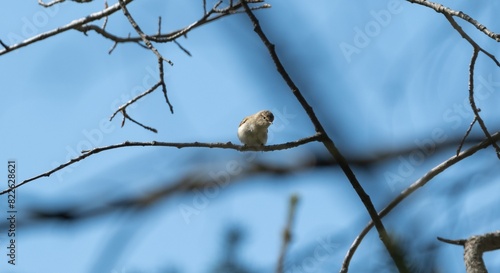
(327, 141)
(474, 247)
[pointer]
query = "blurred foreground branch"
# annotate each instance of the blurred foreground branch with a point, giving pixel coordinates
(287, 232)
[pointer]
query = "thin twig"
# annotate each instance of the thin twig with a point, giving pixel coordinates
(474, 247)
(146, 40)
(105, 18)
(164, 86)
(134, 100)
(161, 59)
(205, 19)
(136, 27)
(126, 116)
(179, 145)
(466, 135)
(473, 103)
(46, 5)
(112, 48)
(122, 108)
(4, 45)
(328, 142)
(460, 242)
(287, 232)
(159, 25)
(411, 189)
(182, 48)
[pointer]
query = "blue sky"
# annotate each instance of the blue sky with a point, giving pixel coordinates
(404, 83)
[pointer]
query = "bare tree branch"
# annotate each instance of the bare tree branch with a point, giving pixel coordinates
(75, 24)
(215, 13)
(126, 116)
(473, 103)
(464, 35)
(105, 23)
(150, 46)
(447, 11)
(327, 141)
(210, 16)
(157, 38)
(164, 86)
(51, 3)
(466, 135)
(412, 188)
(182, 48)
(193, 181)
(83, 25)
(122, 109)
(460, 242)
(143, 36)
(134, 100)
(6, 47)
(46, 5)
(178, 145)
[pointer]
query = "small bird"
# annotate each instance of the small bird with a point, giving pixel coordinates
(253, 129)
